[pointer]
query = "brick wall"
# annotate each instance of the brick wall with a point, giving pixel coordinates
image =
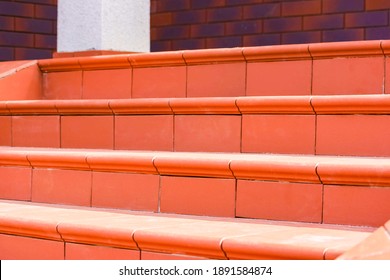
(27, 29)
(195, 24)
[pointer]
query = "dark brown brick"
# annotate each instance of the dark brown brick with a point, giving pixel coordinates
(24, 53)
(172, 32)
(323, 22)
(161, 19)
(16, 9)
(377, 4)
(6, 54)
(261, 11)
(341, 6)
(367, 19)
(6, 23)
(301, 37)
(224, 42)
(242, 2)
(14, 39)
(46, 12)
(207, 30)
(189, 17)
(282, 24)
(224, 14)
(244, 27)
(298, 8)
(47, 2)
(261, 40)
(343, 35)
(172, 5)
(33, 25)
(377, 33)
(158, 46)
(201, 4)
(45, 41)
(189, 44)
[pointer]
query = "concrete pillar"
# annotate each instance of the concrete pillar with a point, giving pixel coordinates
(117, 25)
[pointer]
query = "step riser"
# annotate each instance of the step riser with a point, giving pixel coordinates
(205, 196)
(357, 135)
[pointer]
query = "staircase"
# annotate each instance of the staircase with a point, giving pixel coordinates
(274, 152)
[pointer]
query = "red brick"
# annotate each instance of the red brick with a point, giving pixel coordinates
(244, 27)
(189, 44)
(125, 191)
(161, 19)
(33, 25)
(172, 5)
(6, 23)
(376, 33)
(224, 14)
(29, 53)
(16, 9)
(279, 201)
(198, 196)
(158, 46)
(62, 186)
(224, 42)
(379, 18)
(261, 40)
(207, 133)
(207, 4)
(16, 39)
(343, 35)
(207, 30)
(188, 17)
(377, 5)
(301, 37)
(282, 24)
(356, 205)
(46, 12)
(172, 32)
(298, 8)
(25, 248)
(6, 54)
(337, 6)
(45, 41)
(323, 22)
(261, 11)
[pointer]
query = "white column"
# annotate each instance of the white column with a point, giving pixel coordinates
(118, 25)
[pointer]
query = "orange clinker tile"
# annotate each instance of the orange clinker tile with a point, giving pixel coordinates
(104, 62)
(212, 56)
(342, 49)
(157, 59)
(292, 169)
(3, 108)
(31, 107)
(374, 247)
(351, 104)
(274, 53)
(51, 159)
(75, 251)
(10, 158)
(141, 106)
(275, 105)
(83, 107)
(204, 105)
(59, 64)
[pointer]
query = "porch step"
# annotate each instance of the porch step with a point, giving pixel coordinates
(38, 231)
(352, 125)
(319, 189)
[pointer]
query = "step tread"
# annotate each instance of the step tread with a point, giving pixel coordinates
(352, 170)
(207, 237)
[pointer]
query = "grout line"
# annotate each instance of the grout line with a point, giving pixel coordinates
(384, 70)
(323, 194)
